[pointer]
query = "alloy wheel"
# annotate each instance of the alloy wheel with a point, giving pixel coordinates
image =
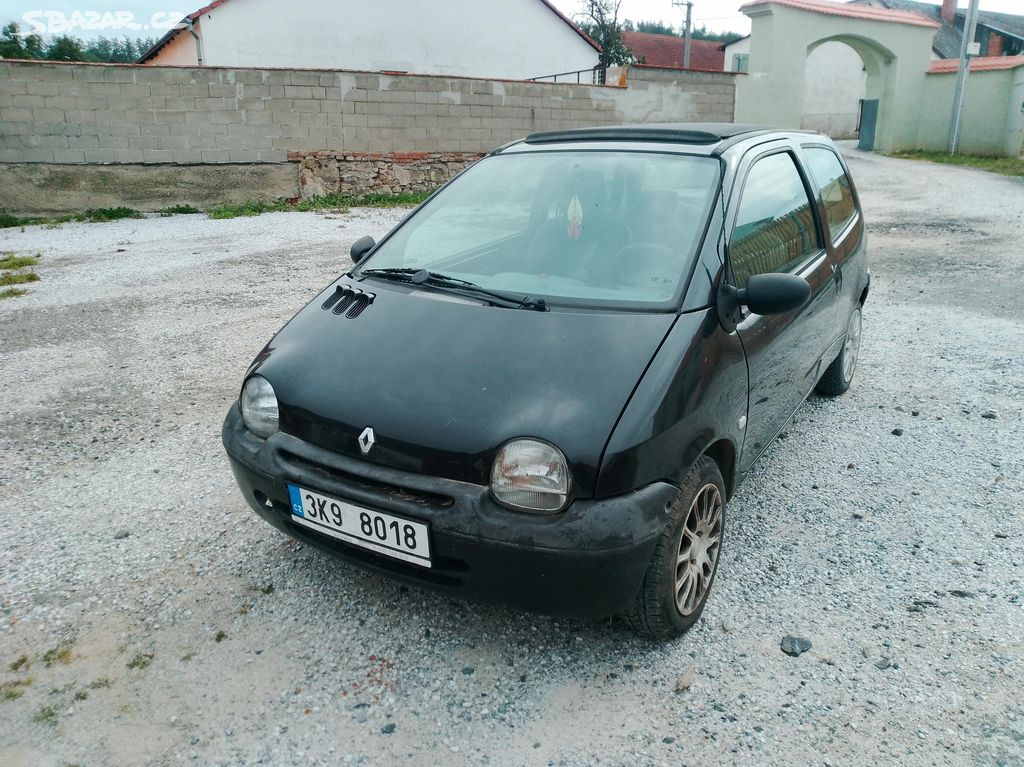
(852, 347)
(698, 549)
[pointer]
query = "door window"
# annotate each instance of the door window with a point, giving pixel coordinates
(834, 184)
(775, 229)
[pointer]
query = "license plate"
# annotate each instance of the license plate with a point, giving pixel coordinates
(385, 534)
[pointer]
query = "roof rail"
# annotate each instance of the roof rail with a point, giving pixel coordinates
(673, 135)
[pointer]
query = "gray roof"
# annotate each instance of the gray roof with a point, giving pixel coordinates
(949, 37)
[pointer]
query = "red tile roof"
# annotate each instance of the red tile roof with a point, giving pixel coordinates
(978, 64)
(867, 13)
(667, 51)
(205, 9)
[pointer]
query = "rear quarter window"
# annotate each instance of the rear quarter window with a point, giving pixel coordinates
(834, 187)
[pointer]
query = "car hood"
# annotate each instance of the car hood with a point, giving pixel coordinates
(444, 381)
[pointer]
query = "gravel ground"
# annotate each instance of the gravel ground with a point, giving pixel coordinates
(163, 623)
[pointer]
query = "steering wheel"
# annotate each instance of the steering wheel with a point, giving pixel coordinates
(646, 265)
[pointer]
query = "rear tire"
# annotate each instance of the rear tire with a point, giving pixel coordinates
(682, 570)
(839, 375)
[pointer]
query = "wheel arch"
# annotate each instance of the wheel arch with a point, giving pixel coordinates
(867, 288)
(723, 453)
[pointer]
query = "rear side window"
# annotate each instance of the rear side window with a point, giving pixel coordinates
(834, 185)
(774, 229)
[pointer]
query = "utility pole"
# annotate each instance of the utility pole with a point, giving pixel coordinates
(688, 35)
(968, 48)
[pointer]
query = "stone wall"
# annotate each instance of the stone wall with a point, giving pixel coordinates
(358, 173)
(91, 116)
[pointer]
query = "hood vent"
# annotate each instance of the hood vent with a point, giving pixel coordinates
(348, 301)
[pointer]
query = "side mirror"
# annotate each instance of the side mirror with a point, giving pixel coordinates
(774, 293)
(361, 247)
(764, 294)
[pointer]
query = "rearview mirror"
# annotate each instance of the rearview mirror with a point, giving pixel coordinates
(361, 247)
(764, 294)
(774, 293)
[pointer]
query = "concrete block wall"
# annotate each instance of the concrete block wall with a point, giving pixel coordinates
(655, 91)
(74, 136)
(97, 114)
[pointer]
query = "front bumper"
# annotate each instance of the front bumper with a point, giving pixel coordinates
(588, 561)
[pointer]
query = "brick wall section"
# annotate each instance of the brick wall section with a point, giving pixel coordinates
(85, 114)
(358, 173)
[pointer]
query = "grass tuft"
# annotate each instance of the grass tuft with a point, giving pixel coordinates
(60, 654)
(12, 690)
(108, 214)
(21, 663)
(45, 715)
(248, 208)
(179, 210)
(11, 293)
(220, 636)
(95, 215)
(141, 661)
(1008, 166)
(334, 202)
(102, 682)
(11, 261)
(18, 278)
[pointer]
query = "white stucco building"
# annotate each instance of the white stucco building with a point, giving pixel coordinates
(511, 39)
(834, 85)
(736, 54)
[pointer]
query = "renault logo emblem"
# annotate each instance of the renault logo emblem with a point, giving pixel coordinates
(366, 440)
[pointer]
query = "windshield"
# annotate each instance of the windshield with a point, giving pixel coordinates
(583, 227)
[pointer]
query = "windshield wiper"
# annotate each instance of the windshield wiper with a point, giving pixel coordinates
(416, 276)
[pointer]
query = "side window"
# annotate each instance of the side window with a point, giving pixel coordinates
(834, 185)
(774, 228)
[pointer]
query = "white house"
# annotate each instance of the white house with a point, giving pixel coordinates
(737, 54)
(510, 39)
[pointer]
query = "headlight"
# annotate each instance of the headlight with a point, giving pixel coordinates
(259, 406)
(530, 475)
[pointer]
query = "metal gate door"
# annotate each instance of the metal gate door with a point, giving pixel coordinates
(868, 118)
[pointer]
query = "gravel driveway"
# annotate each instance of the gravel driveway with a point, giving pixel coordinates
(148, 616)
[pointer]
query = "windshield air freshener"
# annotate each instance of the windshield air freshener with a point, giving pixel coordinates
(575, 216)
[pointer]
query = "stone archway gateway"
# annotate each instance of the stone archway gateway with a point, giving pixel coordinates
(895, 47)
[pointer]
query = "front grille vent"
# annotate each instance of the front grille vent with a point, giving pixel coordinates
(348, 301)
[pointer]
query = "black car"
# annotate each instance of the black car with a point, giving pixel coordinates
(542, 387)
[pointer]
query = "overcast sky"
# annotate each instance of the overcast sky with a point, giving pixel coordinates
(724, 15)
(152, 17)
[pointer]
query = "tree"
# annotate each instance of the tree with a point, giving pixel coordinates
(125, 50)
(655, 28)
(698, 33)
(600, 20)
(65, 48)
(703, 33)
(14, 46)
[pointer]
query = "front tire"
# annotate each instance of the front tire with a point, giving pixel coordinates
(839, 375)
(678, 579)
